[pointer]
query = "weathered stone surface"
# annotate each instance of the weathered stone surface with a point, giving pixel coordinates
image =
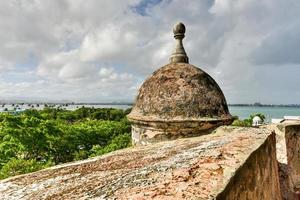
(292, 137)
(282, 160)
(178, 100)
(288, 156)
(227, 162)
(257, 178)
(179, 92)
(152, 132)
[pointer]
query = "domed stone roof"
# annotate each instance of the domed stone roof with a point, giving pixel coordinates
(177, 100)
(179, 91)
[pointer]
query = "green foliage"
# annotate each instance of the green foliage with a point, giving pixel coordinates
(247, 122)
(119, 142)
(33, 139)
(261, 116)
(20, 166)
(242, 123)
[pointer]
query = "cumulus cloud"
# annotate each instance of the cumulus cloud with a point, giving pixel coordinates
(103, 50)
(280, 47)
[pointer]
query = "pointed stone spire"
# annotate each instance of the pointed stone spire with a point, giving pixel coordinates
(179, 55)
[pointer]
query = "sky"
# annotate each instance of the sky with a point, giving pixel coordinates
(102, 51)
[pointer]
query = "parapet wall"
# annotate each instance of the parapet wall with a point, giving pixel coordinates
(292, 138)
(288, 157)
(258, 177)
(230, 163)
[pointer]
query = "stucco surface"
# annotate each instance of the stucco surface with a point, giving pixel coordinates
(191, 168)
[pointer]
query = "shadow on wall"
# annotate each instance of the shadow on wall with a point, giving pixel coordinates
(290, 173)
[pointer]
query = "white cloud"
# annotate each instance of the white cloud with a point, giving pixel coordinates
(222, 7)
(103, 50)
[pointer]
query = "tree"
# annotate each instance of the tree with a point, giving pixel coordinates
(247, 122)
(31, 140)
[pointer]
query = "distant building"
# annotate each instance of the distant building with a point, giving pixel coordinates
(257, 104)
(256, 121)
(276, 121)
(292, 118)
(286, 119)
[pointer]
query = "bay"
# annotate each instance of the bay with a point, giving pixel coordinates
(277, 112)
(242, 112)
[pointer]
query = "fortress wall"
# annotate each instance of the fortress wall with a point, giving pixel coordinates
(230, 163)
(258, 177)
(292, 138)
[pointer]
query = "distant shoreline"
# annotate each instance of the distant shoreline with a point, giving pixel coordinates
(131, 104)
(63, 103)
(267, 105)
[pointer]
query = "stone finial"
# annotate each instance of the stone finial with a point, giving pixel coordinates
(179, 55)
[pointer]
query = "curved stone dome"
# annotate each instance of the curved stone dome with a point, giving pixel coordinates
(180, 92)
(177, 100)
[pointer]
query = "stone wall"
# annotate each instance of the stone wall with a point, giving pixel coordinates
(292, 138)
(288, 157)
(152, 132)
(230, 163)
(257, 178)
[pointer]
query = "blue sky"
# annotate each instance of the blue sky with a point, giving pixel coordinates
(100, 51)
(143, 6)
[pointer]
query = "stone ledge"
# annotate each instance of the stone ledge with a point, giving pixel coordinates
(199, 167)
(288, 154)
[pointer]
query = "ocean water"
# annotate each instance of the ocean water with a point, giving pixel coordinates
(69, 107)
(242, 112)
(270, 112)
